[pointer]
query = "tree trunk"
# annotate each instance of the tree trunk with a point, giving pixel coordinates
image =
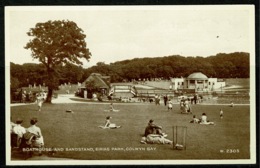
(49, 96)
(50, 90)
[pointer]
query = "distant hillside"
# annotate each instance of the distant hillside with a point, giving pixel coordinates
(232, 65)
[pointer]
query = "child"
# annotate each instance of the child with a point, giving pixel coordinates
(231, 104)
(195, 120)
(169, 104)
(221, 113)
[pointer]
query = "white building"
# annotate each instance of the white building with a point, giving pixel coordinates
(197, 82)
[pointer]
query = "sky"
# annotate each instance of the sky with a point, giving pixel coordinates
(127, 32)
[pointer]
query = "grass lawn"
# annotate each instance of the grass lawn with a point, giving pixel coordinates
(79, 130)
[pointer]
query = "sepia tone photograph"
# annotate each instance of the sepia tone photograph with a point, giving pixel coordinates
(122, 85)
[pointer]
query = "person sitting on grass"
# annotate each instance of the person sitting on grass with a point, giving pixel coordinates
(12, 125)
(111, 108)
(155, 139)
(108, 124)
(19, 131)
(151, 128)
(195, 120)
(204, 120)
(36, 131)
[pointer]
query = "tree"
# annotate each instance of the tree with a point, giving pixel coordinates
(14, 83)
(55, 43)
(71, 73)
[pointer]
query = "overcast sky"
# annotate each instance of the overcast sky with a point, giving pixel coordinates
(119, 33)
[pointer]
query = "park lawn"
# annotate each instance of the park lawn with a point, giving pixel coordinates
(78, 130)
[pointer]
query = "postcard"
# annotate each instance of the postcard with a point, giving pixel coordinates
(130, 85)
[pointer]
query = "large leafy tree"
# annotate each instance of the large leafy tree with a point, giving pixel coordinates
(56, 43)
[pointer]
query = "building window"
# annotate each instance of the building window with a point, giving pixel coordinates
(192, 81)
(209, 83)
(182, 83)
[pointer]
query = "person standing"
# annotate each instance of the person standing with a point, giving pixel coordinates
(169, 104)
(39, 101)
(221, 114)
(24, 96)
(195, 98)
(165, 98)
(182, 105)
(159, 99)
(85, 94)
(156, 97)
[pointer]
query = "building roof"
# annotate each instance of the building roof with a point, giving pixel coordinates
(197, 75)
(98, 79)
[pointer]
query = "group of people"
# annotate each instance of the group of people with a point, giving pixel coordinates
(31, 136)
(203, 120)
(185, 106)
(196, 99)
(153, 134)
